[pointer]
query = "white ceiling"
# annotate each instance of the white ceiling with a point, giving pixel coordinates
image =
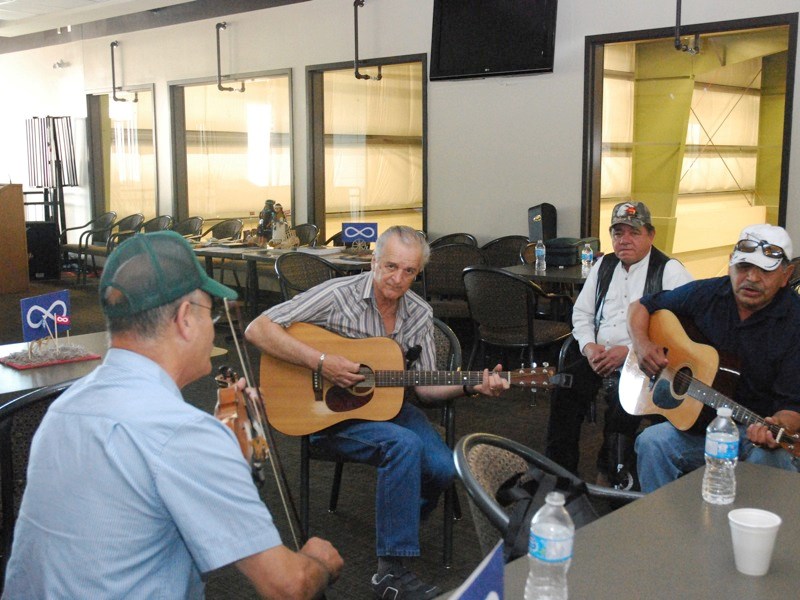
(20, 17)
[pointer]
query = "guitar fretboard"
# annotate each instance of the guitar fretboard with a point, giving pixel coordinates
(423, 378)
(711, 397)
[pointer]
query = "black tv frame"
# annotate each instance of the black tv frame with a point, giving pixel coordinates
(485, 37)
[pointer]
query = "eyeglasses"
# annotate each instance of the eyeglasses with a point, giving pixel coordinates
(770, 250)
(215, 314)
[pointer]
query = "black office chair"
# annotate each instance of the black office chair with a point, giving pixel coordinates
(455, 238)
(118, 232)
(442, 284)
(307, 234)
(161, 223)
(190, 228)
(95, 231)
(485, 461)
(448, 358)
(505, 251)
(300, 271)
(504, 308)
(19, 419)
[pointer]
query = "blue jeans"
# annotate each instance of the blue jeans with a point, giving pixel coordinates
(414, 467)
(664, 453)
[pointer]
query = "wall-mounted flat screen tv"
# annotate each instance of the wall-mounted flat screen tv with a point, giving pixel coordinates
(481, 38)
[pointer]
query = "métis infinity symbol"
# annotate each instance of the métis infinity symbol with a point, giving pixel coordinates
(351, 232)
(46, 314)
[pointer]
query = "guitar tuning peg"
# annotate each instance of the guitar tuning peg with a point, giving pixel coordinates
(545, 365)
(533, 365)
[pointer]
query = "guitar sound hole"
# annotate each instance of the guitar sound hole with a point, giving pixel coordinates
(682, 380)
(340, 399)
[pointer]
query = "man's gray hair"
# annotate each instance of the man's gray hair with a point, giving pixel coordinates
(147, 324)
(408, 236)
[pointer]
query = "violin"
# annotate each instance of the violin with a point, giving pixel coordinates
(246, 415)
(234, 409)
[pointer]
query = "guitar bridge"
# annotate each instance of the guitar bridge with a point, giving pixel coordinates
(316, 384)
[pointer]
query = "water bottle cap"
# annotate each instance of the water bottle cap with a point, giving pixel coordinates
(555, 498)
(724, 411)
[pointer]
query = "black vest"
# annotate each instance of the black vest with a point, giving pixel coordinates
(653, 283)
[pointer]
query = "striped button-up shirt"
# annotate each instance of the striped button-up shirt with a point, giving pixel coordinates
(346, 305)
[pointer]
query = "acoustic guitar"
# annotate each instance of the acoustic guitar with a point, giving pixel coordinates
(298, 401)
(681, 390)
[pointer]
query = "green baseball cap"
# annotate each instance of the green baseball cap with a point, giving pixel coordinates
(150, 270)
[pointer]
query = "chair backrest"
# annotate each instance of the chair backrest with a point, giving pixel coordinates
(157, 224)
(455, 238)
(101, 227)
(528, 253)
(448, 348)
(442, 274)
(335, 240)
(485, 461)
(229, 229)
(499, 300)
(504, 251)
(19, 419)
(190, 227)
(300, 271)
(307, 233)
(130, 223)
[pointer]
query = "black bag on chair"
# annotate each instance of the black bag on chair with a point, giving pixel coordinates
(524, 493)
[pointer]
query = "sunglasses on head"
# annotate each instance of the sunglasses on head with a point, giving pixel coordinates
(770, 250)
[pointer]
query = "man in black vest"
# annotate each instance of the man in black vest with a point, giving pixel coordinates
(599, 326)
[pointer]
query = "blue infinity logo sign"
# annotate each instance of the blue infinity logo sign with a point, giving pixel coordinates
(41, 315)
(353, 232)
(36, 310)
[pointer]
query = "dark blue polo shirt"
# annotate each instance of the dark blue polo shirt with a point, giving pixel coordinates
(767, 343)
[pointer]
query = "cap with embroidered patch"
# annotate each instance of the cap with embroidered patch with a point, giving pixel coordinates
(150, 270)
(635, 214)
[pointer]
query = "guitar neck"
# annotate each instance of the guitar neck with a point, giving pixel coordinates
(424, 378)
(711, 397)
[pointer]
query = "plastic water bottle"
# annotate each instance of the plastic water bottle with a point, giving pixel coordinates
(722, 452)
(549, 550)
(541, 257)
(587, 256)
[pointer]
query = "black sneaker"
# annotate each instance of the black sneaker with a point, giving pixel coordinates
(402, 584)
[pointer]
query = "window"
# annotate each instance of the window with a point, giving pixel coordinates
(233, 150)
(122, 141)
(702, 138)
(368, 150)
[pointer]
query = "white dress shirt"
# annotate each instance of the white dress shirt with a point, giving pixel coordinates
(626, 287)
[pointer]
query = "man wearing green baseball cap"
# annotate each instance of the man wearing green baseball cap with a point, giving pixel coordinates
(133, 492)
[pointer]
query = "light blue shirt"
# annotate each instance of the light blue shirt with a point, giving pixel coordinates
(132, 493)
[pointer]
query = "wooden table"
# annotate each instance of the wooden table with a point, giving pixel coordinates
(671, 544)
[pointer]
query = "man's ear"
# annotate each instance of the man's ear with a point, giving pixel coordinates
(184, 319)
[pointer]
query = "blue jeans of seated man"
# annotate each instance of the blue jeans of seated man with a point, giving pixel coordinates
(664, 453)
(414, 467)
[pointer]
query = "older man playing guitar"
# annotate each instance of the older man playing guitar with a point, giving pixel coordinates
(750, 314)
(414, 465)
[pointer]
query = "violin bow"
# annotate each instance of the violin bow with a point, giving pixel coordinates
(262, 426)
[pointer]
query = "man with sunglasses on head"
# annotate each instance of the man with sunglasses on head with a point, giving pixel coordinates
(751, 315)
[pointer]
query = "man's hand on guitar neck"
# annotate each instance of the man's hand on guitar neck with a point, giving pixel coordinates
(761, 435)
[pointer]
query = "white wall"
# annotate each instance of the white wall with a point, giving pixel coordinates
(496, 146)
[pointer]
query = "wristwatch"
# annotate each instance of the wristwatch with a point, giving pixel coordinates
(468, 393)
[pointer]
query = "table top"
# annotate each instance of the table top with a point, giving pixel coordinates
(345, 262)
(13, 381)
(553, 274)
(672, 544)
